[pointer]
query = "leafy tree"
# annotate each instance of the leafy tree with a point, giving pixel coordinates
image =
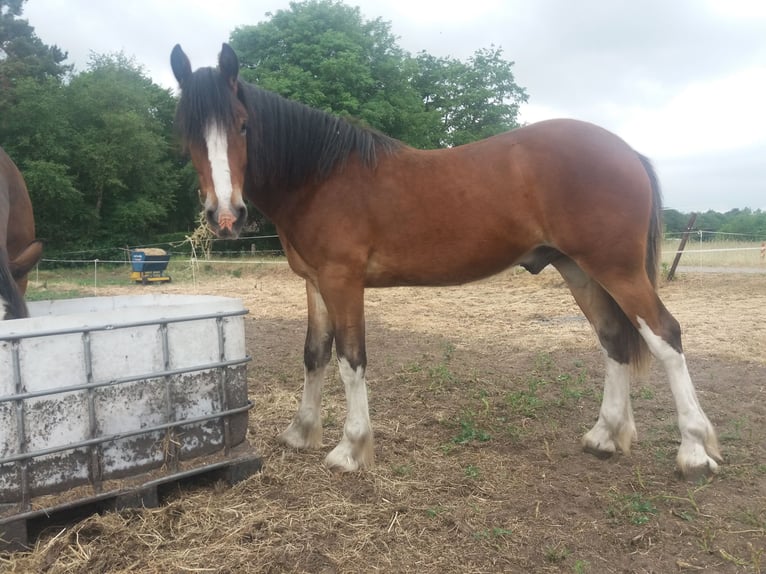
(709, 221)
(23, 55)
(324, 54)
(675, 221)
(32, 127)
(474, 99)
(120, 150)
(60, 211)
(746, 222)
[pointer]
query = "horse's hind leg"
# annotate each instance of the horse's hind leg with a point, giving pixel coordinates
(305, 430)
(615, 428)
(699, 453)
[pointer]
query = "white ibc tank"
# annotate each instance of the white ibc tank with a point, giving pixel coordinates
(106, 387)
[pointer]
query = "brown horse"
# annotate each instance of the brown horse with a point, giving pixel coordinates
(19, 251)
(357, 209)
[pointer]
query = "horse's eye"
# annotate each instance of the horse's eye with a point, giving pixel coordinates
(243, 129)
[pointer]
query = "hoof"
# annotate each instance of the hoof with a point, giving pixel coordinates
(697, 472)
(350, 457)
(338, 465)
(604, 440)
(598, 452)
(301, 437)
(598, 442)
(698, 460)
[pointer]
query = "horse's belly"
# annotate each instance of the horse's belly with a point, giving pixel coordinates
(446, 267)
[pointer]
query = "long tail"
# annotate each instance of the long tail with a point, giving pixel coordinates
(654, 233)
(637, 349)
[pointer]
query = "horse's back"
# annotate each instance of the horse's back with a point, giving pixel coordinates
(455, 215)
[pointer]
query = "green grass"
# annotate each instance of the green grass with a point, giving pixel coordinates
(472, 471)
(434, 511)
(469, 431)
(44, 294)
(525, 403)
(402, 471)
(53, 280)
(556, 554)
(549, 385)
(634, 508)
(733, 431)
(496, 532)
(645, 393)
(441, 374)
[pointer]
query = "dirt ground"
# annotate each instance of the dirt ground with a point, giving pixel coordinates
(478, 396)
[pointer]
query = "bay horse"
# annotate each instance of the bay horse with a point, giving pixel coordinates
(19, 251)
(356, 209)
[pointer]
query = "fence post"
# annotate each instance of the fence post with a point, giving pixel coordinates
(681, 246)
(95, 276)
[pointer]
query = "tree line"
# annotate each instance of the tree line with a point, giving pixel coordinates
(748, 223)
(98, 150)
(100, 156)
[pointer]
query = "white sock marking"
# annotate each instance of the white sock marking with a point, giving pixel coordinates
(615, 426)
(354, 449)
(675, 364)
(358, 416)
(696, 431)
(311, 401)
(616, 403)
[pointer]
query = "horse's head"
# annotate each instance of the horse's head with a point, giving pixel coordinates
(213, 125)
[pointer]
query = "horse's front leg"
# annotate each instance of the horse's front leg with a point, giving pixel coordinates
(345, 301)
(305, 431)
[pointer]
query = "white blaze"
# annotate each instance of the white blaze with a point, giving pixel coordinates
(217, 154)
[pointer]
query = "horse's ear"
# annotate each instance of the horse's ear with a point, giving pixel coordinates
(180, 64)
(229, 65)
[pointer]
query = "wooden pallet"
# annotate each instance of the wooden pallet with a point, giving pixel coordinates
(19, 531)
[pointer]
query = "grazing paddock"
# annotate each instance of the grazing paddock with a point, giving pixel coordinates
(479, 396)
(717, 253)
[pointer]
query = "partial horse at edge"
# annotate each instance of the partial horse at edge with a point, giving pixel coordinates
(19, 250)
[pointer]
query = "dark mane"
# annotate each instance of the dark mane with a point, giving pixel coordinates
(205, 97)
(289, 144)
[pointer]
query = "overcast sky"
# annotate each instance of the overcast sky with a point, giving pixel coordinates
(683, 81)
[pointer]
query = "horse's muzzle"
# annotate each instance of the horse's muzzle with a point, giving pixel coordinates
(225, 223)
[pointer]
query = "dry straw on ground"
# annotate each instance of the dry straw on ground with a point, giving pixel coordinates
(478, 398)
